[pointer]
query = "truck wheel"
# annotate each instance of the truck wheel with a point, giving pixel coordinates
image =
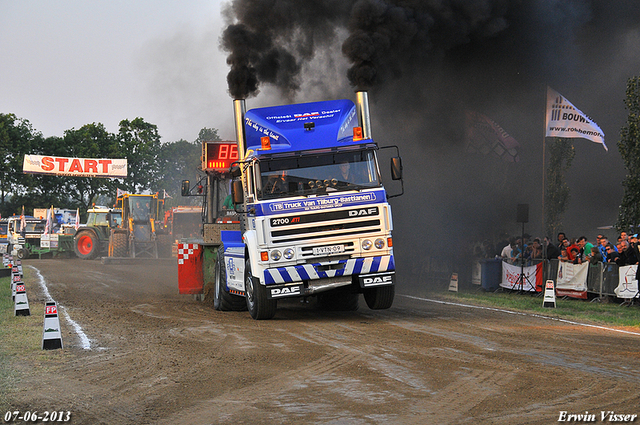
(86, 245)
(379, 298)
(119, 243)
(259, 305)
(223, 300)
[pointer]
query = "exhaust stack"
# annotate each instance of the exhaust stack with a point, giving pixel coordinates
(364, 119)
(239, 109)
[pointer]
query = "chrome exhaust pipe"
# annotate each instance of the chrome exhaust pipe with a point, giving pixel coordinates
(364, 118)
(239, 109)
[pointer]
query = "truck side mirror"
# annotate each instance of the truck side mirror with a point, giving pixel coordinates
(184, 190)
(236, 192)
(396, 168)
(235, 171)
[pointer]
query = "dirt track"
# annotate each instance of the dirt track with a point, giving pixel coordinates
(160, 357)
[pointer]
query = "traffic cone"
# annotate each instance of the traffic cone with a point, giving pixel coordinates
(549, 294)
(21, 304)
(51, 336)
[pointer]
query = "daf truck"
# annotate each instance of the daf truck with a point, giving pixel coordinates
(315, 220)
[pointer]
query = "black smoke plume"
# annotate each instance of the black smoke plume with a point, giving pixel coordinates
(427, 62)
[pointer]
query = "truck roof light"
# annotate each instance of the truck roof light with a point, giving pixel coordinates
(266, 143)
(357, 133)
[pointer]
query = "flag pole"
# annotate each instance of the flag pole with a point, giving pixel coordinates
(544, 172)
(544, 168)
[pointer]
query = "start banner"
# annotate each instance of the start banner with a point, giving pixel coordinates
(74, 167)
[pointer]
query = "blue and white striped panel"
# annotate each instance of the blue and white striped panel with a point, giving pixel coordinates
(308, 271)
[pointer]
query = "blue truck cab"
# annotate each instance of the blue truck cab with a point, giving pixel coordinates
(315, 215)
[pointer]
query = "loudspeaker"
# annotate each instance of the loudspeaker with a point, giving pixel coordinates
(523, 213)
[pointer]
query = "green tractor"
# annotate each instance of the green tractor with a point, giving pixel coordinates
(92, 239)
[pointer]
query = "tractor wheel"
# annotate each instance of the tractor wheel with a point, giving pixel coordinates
(86, 245)
(22, 253)
(379, 298)
(223, 300)
(119, 243)
(259, 305)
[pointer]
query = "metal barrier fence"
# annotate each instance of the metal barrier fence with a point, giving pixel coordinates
(602, 278)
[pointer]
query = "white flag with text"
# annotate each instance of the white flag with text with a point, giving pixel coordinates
(567, 121)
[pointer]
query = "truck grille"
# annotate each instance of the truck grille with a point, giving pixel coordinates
(352, 222)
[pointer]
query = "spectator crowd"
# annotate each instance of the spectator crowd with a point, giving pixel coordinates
(624, 252)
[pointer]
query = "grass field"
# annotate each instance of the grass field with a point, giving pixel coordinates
(602, 313)
(21, 338)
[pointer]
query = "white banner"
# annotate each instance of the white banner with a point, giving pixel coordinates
(511, 277)
(628, 285)
(572, 279)
(565, 120)
(74, 167)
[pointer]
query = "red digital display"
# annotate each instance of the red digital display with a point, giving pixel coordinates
(218, 156)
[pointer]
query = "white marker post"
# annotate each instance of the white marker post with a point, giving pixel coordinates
(51, 336)
(549, 294)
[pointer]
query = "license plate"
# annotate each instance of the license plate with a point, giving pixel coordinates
(327, 250)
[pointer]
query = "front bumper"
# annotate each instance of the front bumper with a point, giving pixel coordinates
(328, 270)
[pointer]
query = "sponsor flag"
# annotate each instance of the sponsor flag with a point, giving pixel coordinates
(567, 121)
(485, 136)
(47, 227)
(23, 222)
(77, 223)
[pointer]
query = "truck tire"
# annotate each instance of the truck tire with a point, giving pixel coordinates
(339, 300)
(223, 300)
(379, 298)
(259, 305)
(119, 243)
(86, 245)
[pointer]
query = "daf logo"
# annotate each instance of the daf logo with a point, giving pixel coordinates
(369, 211)
(377, 280)
(286, 291)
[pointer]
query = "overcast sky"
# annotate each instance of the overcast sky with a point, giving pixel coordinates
(64, 64)
(68, 63)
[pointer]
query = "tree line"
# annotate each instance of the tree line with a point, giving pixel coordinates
(152, 166)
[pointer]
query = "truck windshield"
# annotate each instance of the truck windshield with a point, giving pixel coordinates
(317, 174)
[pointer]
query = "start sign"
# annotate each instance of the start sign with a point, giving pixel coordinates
(74, 167)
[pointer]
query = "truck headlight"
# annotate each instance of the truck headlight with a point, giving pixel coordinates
(288, 253)
(366, 244)
(276, 255)
(379, 243)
